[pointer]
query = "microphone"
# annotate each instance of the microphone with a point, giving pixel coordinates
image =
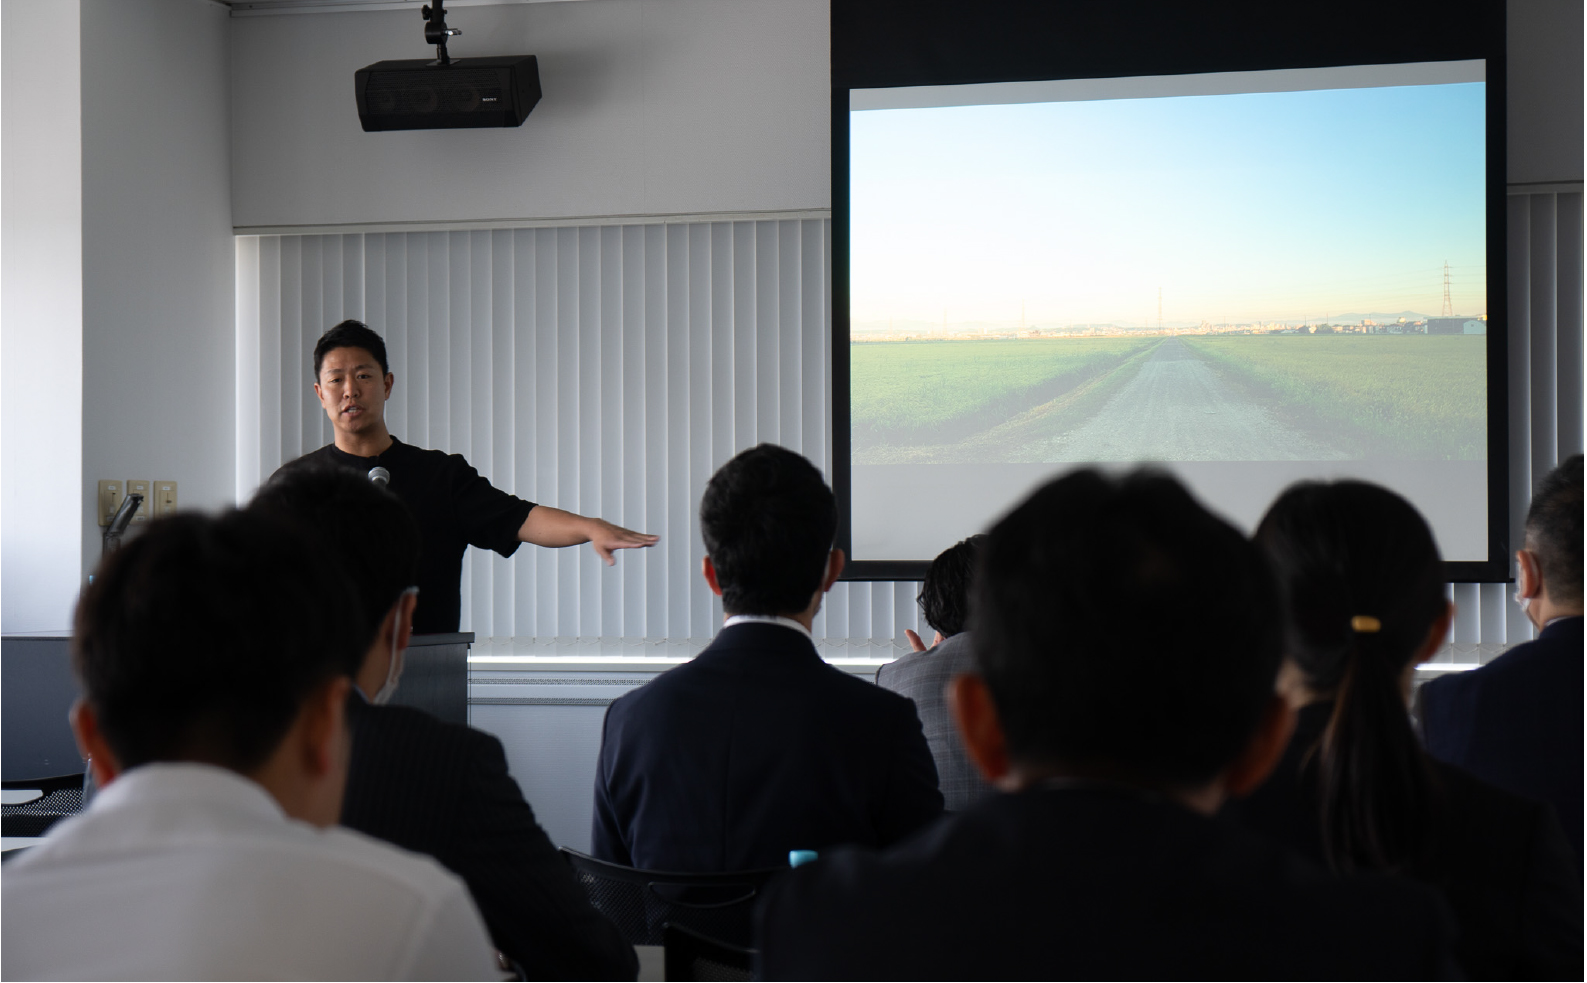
(380, 476)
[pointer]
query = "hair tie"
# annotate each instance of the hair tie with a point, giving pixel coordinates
(1365, 624)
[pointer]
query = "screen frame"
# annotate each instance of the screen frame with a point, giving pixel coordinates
(891, 43)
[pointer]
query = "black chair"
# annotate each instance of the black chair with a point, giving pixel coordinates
(692, 956)
(63, 796)
(642, 902)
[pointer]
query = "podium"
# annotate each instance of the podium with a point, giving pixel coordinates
(435, 676)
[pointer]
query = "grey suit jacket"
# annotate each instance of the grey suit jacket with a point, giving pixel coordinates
(922, 676)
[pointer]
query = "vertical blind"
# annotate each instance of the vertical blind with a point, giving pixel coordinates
(606, 370)
(610, 370)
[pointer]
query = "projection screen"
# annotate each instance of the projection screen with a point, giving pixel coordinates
(1247, 278)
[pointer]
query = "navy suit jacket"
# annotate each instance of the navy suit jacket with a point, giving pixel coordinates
(1517, 721)
(755, 748)
(442, 789)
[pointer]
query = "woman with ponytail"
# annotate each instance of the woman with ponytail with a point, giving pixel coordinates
(1364, 586)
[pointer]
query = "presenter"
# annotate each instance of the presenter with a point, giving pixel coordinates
(455, 506)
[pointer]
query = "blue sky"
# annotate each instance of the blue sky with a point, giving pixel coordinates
(1266, 205)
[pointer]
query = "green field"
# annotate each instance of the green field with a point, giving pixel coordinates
(1418, 396)
(935, 392)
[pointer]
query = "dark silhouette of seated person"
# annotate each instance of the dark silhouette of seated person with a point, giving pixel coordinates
(1517, 721)
(1127, 642)
(427, 785)
(923, 675)
(757, 747)
(212, 656)
(1364, 587)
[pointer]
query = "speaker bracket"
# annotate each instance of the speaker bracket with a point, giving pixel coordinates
(436, 32)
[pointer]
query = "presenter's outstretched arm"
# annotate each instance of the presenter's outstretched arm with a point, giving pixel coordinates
(547, 526)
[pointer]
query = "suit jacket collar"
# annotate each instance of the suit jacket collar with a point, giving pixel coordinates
(763, 637)
(1562, 628)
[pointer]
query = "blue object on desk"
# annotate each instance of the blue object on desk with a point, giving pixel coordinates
(797, 857)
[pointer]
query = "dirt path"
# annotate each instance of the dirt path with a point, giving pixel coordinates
(1177, 409)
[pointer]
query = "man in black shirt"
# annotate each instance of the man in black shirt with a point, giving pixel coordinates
(455, 506)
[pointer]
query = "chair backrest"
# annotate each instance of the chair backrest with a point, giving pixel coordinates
(641, 902)
(692, 956)
(63, 796)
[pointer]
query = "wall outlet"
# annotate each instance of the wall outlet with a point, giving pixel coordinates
(140, 486)
(164, 502)
(110, 495)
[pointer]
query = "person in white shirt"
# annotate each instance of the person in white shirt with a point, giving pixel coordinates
(209, 651)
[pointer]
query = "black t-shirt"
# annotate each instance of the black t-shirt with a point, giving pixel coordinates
(455, 507)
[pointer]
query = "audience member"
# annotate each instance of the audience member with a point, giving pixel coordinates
(432, 787)
(211, 654)
(758, 747)
(1364, 587)
(1517, 721)
(1127, 641)
(923, 675)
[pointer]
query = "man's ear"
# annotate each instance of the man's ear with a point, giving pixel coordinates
(970, 703)
(835, 561)
(406, 605)
(1263, 751)
(324, 730)
(390, 378)
(1530, 574)
(709, 571)
(91, 744)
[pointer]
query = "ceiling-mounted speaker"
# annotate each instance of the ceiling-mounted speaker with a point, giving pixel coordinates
(417, 94)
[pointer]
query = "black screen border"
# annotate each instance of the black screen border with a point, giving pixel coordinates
(890, 43)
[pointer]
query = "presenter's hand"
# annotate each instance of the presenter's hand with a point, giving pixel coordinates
(915, 642)
(547, 526)
(605, 538)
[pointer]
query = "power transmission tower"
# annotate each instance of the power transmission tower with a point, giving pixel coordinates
(1449, 309)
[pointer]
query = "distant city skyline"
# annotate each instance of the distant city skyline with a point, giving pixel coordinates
(1240, 208)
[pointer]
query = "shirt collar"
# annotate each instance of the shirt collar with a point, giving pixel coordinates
(768, 619)
(171, 781)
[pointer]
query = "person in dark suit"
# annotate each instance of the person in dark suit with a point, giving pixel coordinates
(758, 747)
(1517, 721)
(923, 675)
(1112, 739)
(429, 786)
(1364, 587)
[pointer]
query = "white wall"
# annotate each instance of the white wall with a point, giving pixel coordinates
(159, 375)
(41, 337)
(1544, 99)
(682, 106)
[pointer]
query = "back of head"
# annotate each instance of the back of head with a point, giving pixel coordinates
(364, 528)
(350, 334)
(1124, 630)
(200, 639)
(945, 594)
(1363, 584)
(1554, 531)
(768, 520)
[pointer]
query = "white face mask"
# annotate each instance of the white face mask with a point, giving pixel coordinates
(394, 668)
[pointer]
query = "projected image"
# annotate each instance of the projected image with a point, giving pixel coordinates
(1250, 276)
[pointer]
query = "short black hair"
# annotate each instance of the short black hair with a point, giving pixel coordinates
(365, 527)
(1553, 530)
(350, 334)
(1122, 628)
(945, 594)
(768, 519)
(200, 639)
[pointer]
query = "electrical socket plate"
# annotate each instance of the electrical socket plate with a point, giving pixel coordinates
(110, 495)
(140, 486)
(164, 502)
